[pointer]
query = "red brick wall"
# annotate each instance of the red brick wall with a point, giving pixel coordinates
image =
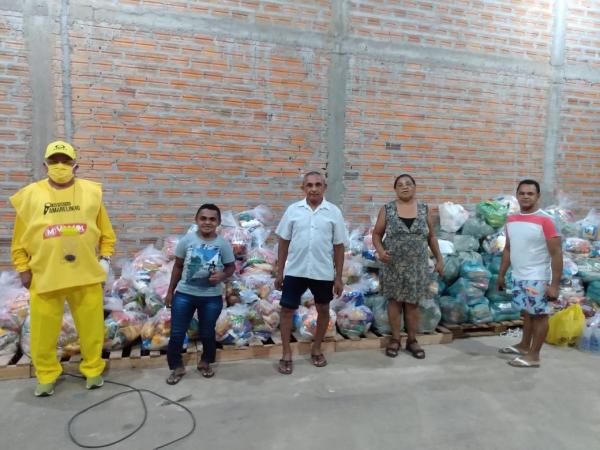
(15, 118)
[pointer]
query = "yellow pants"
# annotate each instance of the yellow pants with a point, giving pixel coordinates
(46, 314)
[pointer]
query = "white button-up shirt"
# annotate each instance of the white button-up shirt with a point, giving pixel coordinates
(312, 233)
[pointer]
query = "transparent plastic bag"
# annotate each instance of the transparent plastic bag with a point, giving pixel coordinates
(495, 243)
(378, 305)
(305, 321)
(240, 240)
(354, 320)
(452, 216)
(264, 317)
(510, 202)
(157, 330)
(430, 316)
(233, 325)
(169, 246)
(466, 291)
(454, 310)
(14, 302)
(9, 342)
(446, 247)
(588, 226)
(451, 268)
(122, 328)
(577, 245)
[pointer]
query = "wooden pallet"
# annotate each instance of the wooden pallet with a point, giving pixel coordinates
(19, 366)
(465, 330)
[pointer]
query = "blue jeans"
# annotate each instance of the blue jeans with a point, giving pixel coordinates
(182, 311)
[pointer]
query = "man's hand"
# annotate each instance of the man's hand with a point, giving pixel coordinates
(25, 278)
(216, 277)
(552, 293)
(279, 282)
(500, 283)
(169, 299)
(338, 287)
(384, 256)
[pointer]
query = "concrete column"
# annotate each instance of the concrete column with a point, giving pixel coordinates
(336, 104)
(553, 123)
(37, 29)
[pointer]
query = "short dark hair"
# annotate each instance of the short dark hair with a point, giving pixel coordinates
(210, 206)
(313, 172)
(404, 175)
(528, 181)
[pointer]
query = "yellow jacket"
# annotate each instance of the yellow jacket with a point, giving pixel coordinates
(59, 234)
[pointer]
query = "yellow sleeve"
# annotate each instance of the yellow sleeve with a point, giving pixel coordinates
(20, 258)
(107, 234)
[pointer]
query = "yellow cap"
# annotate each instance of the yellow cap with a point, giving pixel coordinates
(60, 147)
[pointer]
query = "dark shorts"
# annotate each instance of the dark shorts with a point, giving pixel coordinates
(294, 287)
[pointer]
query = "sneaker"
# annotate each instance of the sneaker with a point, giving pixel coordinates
(94, 382)
(44, 390)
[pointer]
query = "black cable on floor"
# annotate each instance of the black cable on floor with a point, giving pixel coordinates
(139, 427)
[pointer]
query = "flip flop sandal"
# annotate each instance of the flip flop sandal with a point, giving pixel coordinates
(285, 366)
(520, 362)
(175, 377)
(418, 353)
(206, 372)
(318, 360)
(510, 350)
(392, 348)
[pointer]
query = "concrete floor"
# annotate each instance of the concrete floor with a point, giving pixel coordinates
(463, 396)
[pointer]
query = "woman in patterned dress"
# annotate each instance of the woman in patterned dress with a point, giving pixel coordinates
(401, 236)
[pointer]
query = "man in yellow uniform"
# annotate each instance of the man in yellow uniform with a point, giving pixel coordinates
(61, 247)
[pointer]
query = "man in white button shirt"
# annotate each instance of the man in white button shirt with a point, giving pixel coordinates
(311, 241)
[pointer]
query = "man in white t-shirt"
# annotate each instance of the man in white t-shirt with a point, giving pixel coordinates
(311, 256)
(533, 250)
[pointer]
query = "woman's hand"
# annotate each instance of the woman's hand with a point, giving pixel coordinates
(439, 267)
(384, 256)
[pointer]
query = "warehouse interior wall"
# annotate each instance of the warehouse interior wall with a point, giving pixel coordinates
(173, 103)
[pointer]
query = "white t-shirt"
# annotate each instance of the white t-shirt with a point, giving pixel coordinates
(529, 256)
(313, 235)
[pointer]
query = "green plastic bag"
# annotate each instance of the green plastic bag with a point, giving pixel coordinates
(494, 213)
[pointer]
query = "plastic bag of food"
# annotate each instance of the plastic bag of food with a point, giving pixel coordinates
(504, 311)
(261, 283)
(354, 320)
(476, 273)
(452, 216)
(169, 246)
(595, 249)
(157, 330)
(233, 325)
(473, 257)
(494, 213)
(369, 253)
(477, 228)
(570, 268)
(451, 268)
(510, 202)
(480, 312)
(577, 245)
(68, 340)
(565, 327)
(352, 271)
(14, 302)
(465, 243)
(588, 227)
(593, 291)
(262, 257)
(261, 215)
(378, 305)
(305, 322)
(352, 294)
(371, 282)
(496, 296)
(492, 262)
(149, 259)
(240, 240)
(355, 241)
(430, 316)
(467, 291)
(121, 328)
(495, 243)
(264, 317)
(454, 310)
(9, 342)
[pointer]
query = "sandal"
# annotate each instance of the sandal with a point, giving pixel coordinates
(175, 377)
(285, 366)
(414, 349)
(392, 348)
(205, 370)
(318, 360)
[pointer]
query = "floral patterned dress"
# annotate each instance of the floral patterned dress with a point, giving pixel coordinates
(406, 277)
